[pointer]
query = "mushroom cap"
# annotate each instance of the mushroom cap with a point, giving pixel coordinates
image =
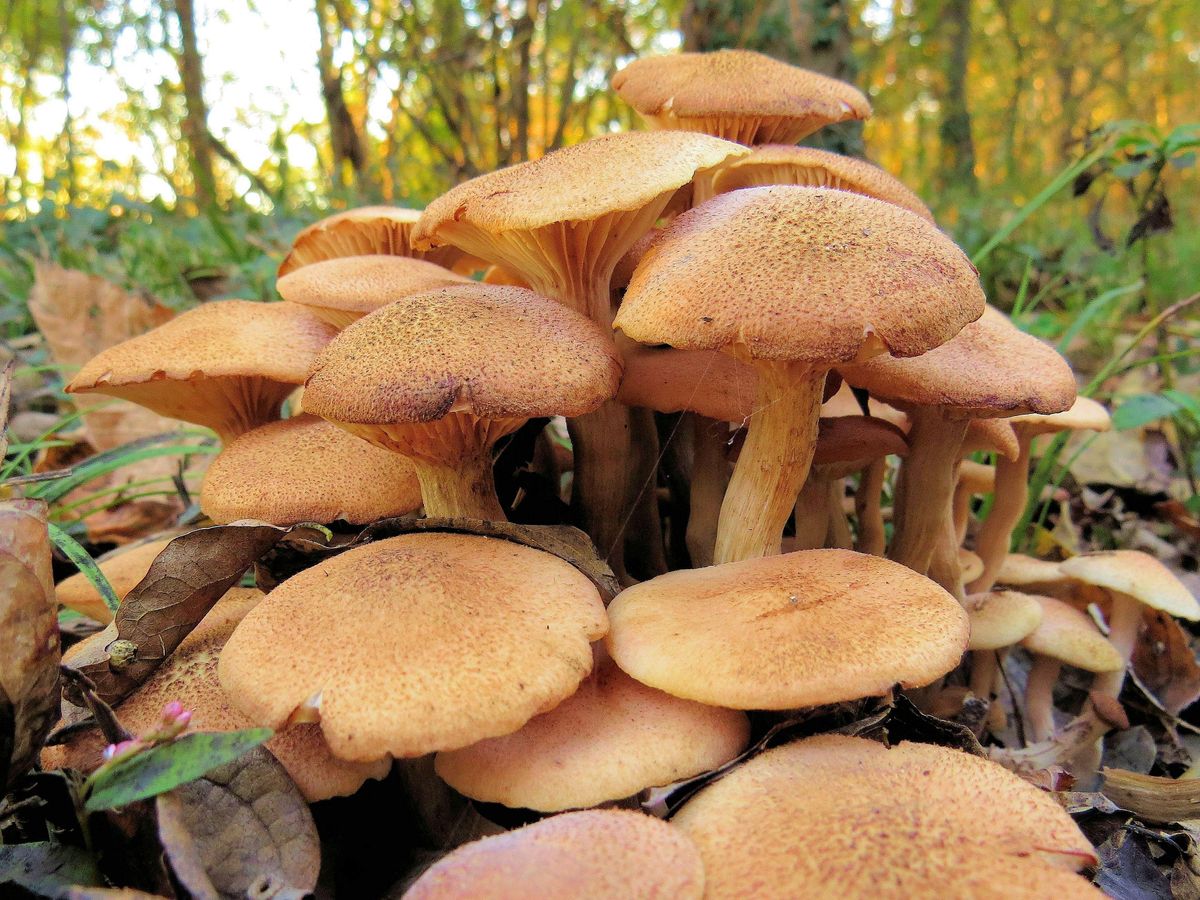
(189, 675)
(1085, 414)
(970, 565)
(305, 469)
(1069, 635)
(834, 816)
(417, 643)
(1001, 618)
(702, 381)
(364, 231)
(991, 436)
(855, 438)
(795, 273)
(978, 478)
(1138, 575)
(785, 164)
(495, 352)
(609, 740)
(225, 338)
(598, 854)
(123, 567)
(618, 172)
(990, 368)
(735, 83)
(1019, 569)
(800, 629)
(346, 288)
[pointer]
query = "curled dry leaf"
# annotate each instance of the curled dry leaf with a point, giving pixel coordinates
(1166, 664)
(1153, 798)
(182, 584)
(242, 830)
(29, 687)
(5, 401)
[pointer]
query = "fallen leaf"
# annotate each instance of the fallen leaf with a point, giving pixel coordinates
(1152, 797)
(1133, 750)
(29, 686)
(1127, 872)
(47, 869)
(242, 830)
(5, 400)
(1166, 663)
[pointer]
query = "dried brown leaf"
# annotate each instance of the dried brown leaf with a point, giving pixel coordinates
(1166, 664)
(5, 401)
(242, 830)
(1153, 798)
(29, 687)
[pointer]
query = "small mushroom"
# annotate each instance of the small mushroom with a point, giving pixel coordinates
(973, 478)
(999, 619)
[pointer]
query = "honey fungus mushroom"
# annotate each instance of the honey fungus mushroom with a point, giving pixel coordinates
(441, 376)
(227, 365)
(795, 281)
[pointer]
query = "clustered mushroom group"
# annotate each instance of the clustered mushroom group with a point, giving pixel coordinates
(743, 337)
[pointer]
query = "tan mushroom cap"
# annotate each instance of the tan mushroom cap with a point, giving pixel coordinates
(807, 274)
(703, 381)
(800, 629)
(978, 478)
(857, 439)
(227, 365)
(417, 643)
(844, 403)
(599, 854)
(611, 739)
(738, 94)
(123, 568)
(836, 816)
(365, 231)
(1138, 575)
(1085, 414)
(990, 368)
(782, 164)
(992, 436)
(1071, 636)
(343, 290)
(1019, 570)
(1001, 618)
(305, 469)
(969, 564)
(189, 675)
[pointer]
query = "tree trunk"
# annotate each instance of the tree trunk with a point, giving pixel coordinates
(958, 149)
(66, 31)
(345, 143)
(195, 123)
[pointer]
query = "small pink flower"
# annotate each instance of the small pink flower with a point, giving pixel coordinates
(121, 750)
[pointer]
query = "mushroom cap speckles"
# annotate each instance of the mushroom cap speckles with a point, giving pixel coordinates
(600, 854)
(843, 816)
(797, 273)
(736, 82)
(801, 629)
(362, 284)
(620, 172)
(1137, 574)
(1071, 636)
(417, 643)
(495, 352)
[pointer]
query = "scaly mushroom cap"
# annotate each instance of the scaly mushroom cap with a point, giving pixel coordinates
(227, 365)
(189, 675)
(793, 273)
(836, 816)
(800, 629)
(1069, 635)
(737, 94)
(1138, 575)
(305, 469)
(1085, 414)
(366, 231)
(1001, 618)
(703, 381)
(611, 739)
(990, 368)
(807, 166)
(123, 568)
(991, 436)
(857, 439)
(416, 643)
(599, 854)
(477, 357)
(341, 291)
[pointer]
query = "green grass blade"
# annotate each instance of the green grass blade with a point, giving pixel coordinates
(83, 561)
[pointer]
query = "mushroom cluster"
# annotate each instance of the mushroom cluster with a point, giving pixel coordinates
(754, 348)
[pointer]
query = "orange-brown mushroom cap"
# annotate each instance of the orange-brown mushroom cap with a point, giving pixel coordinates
(417, 643)
(600, 854)
(1001, 618)
(1071, 636)
(305, 469)
(343, 290)
(842, 816)
(780, 164)
(800, 629)
(609, 740)
(707, 382)
(1138, 575)
(227, 365)
(737, 94)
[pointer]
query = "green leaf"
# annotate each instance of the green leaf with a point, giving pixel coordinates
(167, 766)
(1141, 410)
(83, 561)
(1184, 402)
(47, 869)
(1133, 169)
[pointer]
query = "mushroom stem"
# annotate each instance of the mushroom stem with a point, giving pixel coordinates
(602, 448)
(839, 535)
(944, 566)
(464, 489)
(961, 510)
(710, 477)
(1008, 505)
(1123, 627)
(812, 513)
(774, 461)
(925, 487)
(868, 508)
(985, 666)
(644, 549)
(1039, 698)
